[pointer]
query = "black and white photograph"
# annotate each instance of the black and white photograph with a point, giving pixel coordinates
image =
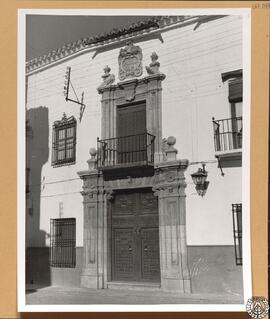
(134, 160)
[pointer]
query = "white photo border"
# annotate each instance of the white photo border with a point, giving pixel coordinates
(246, 50)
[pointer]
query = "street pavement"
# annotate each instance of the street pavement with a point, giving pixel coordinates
(54, 295)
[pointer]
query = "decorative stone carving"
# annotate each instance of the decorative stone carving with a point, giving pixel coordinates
(93, 152)
(65, 120)
(129, 88)
(168, 149)
(171, 151)
(109, 193)
(153, 67)
(170, 176)
(164, 147)
(130, 61)
(129, 183)
(108, 79)
(92, 161)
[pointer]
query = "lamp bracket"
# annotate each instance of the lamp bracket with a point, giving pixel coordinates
(219, 165)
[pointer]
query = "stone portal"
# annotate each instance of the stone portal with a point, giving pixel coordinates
(125, 239)
(134, 189)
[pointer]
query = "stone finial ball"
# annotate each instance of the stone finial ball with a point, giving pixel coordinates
(93, 151)
(107, 69)
(171, 140)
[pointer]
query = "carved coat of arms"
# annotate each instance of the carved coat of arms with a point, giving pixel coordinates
(130, 61)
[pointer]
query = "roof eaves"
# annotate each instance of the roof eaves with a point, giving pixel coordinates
(79, 46)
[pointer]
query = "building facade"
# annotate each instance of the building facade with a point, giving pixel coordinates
(155, 103)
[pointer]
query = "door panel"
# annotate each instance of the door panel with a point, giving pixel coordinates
(148, 203)
(124, 257)
(131, 127)
(135, 237)
(125, 204)
(150, 254)
(131, 120)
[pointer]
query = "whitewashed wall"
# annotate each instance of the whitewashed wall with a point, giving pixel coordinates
(193, 93)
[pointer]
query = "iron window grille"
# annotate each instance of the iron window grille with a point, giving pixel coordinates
(27, 180)
(237, 232)
(64, 141)
(63, 243)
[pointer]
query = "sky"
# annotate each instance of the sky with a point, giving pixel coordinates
(45, 33)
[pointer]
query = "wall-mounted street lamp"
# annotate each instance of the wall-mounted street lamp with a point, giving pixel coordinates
(199, 179)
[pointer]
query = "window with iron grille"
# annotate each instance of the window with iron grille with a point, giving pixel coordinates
(63, 243)
(237, 232)
(64, 141)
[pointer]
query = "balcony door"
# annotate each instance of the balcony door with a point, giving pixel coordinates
(235, 98)
(131, 133)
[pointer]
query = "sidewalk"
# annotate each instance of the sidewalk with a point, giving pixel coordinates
(63, 295)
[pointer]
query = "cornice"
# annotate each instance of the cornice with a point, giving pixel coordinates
(160, 23)
(132, 82)
(103, 39)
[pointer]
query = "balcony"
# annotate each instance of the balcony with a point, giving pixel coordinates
(228, 141)
(133, 154)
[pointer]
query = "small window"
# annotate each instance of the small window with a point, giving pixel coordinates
(63, 243)
(64, 141)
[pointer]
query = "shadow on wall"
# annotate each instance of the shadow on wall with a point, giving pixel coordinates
(37, 154)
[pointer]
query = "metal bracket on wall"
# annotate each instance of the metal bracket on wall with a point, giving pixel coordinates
(67, 86)
(219, 165)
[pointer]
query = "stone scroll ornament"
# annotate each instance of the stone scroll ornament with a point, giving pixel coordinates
(130, 61)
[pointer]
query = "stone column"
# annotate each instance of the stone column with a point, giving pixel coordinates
(106, 89)
(94, 243)
(170, 189)
(154, 111)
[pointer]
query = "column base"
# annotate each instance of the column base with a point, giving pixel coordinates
(88, 281)
(177, 285)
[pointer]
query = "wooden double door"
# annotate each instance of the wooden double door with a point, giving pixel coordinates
(135, 237)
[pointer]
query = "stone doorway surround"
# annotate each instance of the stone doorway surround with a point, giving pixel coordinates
(133, 91)
(167, 180)
(168, 183)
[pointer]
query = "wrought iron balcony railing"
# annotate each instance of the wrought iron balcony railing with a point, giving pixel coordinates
(126, 151)
(227, 134)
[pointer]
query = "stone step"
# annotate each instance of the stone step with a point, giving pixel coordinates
(134, 285)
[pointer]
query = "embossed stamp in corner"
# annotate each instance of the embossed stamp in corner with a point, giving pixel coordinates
(257, 307)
